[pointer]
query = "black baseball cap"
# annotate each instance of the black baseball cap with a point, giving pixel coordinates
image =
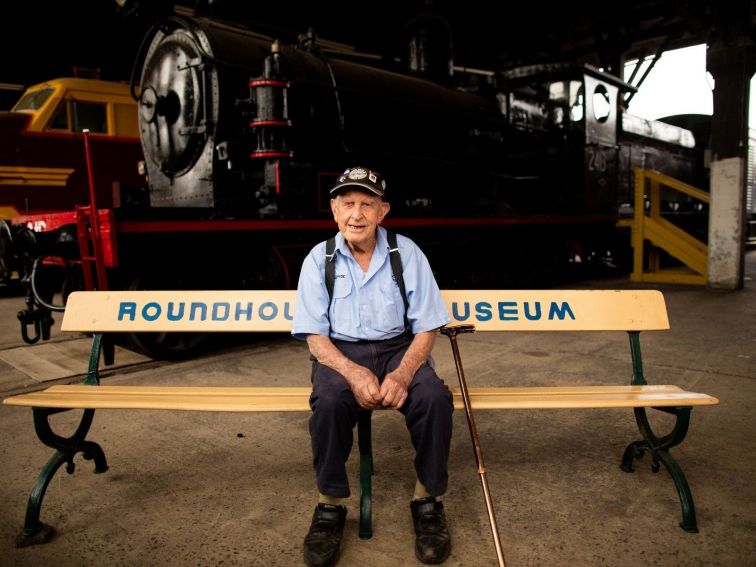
(362, 178)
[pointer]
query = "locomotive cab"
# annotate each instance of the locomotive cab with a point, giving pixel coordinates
(72, 105)
(43, 168)
(577, 108)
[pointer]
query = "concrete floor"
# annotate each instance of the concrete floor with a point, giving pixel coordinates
(237, 489)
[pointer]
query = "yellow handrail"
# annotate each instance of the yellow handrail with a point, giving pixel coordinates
(675, 184)
(661, 234)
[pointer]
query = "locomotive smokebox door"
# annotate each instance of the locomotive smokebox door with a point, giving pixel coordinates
(177, 116)
(195, 113)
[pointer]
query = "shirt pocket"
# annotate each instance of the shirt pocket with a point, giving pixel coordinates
(341, 308)
(391, 312)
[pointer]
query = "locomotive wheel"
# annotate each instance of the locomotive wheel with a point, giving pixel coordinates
(167, 346)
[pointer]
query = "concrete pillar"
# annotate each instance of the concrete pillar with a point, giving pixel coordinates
(730, 59)
(727, 223)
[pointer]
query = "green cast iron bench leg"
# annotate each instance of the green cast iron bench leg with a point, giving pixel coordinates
(66, 448)
(658, 445)
(659, 449)
(366, 473)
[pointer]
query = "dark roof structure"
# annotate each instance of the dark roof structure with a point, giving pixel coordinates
(485, 34)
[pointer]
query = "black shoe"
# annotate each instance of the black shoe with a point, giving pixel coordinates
(432, 539)
(321, 544)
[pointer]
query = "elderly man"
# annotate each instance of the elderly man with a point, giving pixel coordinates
(370, 326)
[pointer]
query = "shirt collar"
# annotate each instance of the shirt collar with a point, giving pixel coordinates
(381, 245)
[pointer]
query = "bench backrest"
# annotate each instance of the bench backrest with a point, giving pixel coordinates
(272, 310)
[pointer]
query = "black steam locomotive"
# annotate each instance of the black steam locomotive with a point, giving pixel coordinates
(512, 179)
(239, 125)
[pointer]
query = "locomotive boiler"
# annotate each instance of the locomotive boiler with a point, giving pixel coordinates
(504, 179)
(230, 120)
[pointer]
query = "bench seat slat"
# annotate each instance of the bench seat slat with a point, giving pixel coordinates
(260, 399)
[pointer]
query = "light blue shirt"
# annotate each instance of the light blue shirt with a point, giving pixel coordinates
(367, 305)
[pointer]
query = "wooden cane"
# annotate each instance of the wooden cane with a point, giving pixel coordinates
(452, 333)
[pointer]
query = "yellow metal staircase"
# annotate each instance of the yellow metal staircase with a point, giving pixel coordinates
(660, 234)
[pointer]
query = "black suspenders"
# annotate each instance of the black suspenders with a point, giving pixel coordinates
(396, 269)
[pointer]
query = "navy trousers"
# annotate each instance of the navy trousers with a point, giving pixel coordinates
(427, 412)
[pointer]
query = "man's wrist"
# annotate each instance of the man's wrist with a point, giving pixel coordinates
(403, 375)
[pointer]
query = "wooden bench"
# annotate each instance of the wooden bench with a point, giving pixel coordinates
(102, 313)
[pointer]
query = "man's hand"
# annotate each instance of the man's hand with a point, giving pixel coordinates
(397, 382)
(394, 388)
(363, 383)
(365, 387)
(369, 393)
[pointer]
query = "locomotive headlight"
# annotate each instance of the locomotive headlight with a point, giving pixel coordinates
(141, 167)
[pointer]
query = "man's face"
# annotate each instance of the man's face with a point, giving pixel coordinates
(358, 215)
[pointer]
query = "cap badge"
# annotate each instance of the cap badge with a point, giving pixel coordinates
(357, 173)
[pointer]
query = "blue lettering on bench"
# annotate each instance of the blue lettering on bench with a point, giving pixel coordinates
(510, 311)
(483, 311)
(533, 317)
(219, 311)
(273, 311)
(560, 312)
(217, 306)
(147, 316)
(457, 316)
(126, 309)
(201, 307)
(239, 311)
(175, 316)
